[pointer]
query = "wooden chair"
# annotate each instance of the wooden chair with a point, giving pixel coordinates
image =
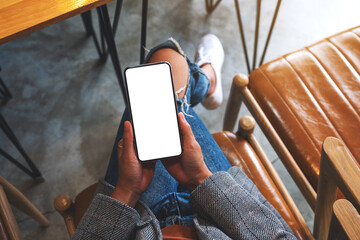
(243, 150)
(8, 226)
(300, 99)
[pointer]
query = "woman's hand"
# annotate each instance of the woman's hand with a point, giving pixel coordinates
(134, 176)
(189, 169)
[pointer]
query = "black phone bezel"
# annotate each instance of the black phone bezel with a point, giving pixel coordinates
(130, 110)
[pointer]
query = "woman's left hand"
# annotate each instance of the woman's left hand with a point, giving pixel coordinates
(134, 176)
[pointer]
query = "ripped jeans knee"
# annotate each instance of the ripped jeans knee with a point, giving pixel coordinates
(198, 82)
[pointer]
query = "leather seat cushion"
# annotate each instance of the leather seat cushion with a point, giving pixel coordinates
(240, 153)
(311, 94)
(82, 202)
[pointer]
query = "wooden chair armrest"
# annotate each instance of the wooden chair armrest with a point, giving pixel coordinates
(345, 221)
(64, 205)
(337, 169)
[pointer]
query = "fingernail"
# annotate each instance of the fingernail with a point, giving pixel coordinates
(182, 117)
(126, 126)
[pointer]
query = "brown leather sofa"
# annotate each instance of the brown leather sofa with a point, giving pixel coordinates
(302, 98)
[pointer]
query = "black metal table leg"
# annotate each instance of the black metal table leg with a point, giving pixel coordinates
(5, 94)
(143, 30)
(87, 20)
(100, 45)
(117, 15)
(105, 22)
(34, 171)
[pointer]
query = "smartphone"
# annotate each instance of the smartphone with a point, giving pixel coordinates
(152, 104)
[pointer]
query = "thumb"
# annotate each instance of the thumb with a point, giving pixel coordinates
(120, 147)
(185, 128)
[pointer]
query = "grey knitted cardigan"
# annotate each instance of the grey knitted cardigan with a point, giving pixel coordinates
(227, 204)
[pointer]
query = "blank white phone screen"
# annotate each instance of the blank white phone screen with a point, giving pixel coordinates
(153, 111)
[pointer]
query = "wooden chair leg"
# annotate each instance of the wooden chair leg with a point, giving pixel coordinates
(63, 204)
(18, 200)
(337, 169)
(246, 129)
(7, 217)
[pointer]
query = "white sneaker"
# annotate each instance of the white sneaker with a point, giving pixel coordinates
(210, 50)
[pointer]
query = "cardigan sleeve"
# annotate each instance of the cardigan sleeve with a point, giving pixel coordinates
(107, 218)
(236, 210)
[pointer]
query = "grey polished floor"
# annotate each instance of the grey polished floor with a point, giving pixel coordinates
(67, 106)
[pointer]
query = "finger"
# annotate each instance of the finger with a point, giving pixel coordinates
(185, 128)
(128, 138)
(120, 147)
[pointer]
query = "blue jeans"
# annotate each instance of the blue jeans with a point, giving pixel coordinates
(168, 200)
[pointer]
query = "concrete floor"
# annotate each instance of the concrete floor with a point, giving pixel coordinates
(67, 106)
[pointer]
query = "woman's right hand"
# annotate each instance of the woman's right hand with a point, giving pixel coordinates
(189, 169)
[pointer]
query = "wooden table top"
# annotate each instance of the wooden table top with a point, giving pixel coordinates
(21, 17)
